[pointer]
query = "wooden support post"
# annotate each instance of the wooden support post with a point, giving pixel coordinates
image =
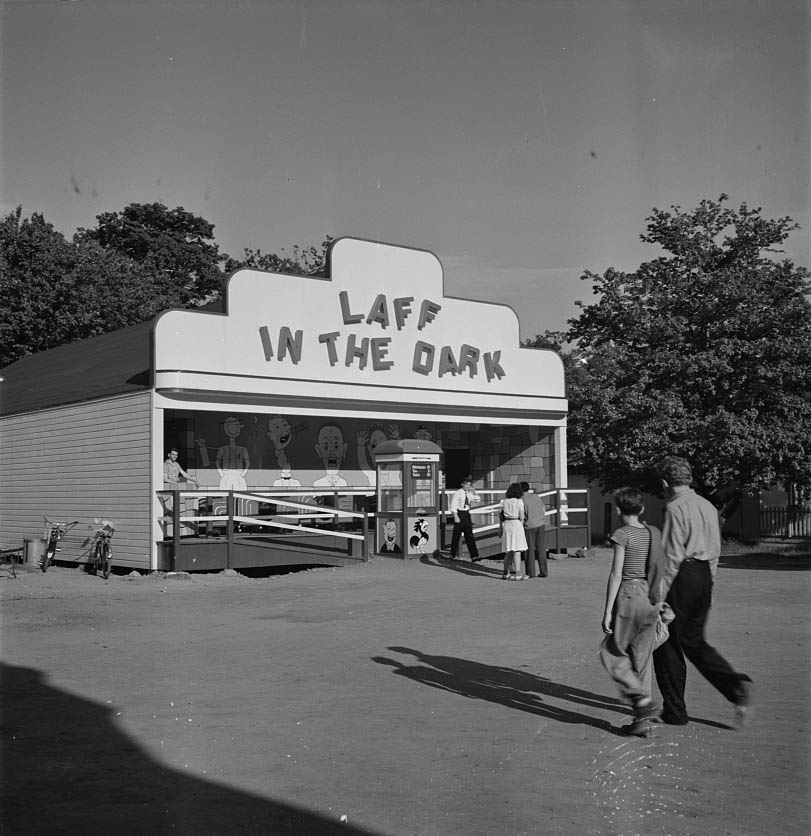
(230, 529)
(175, 528)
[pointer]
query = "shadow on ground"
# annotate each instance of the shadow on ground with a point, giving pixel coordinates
(513, 689)
(505, 686)
(67, 769)
(480, 568)
(773, 561)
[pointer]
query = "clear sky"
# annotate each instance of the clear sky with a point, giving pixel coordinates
(521, 142)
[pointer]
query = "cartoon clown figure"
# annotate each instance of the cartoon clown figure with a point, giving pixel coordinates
(368, 441)
(281, 434)
(331, 449)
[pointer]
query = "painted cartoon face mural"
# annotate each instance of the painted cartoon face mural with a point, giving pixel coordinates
(376, 436)
(279, 431)
(232, 427)
(331, 448)
(368, 441)
(238, 450)
(233, 460)
(388, 537)
(281, 434)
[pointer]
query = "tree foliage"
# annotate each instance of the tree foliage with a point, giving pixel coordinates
(55, 291)
(174, 246)
(301, 261)
(130, 267)
(703, 352)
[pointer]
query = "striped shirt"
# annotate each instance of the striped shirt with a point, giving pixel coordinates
(637, 544)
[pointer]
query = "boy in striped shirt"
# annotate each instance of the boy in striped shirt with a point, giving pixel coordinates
(629, 617)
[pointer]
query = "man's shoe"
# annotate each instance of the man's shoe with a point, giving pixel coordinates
(672, 720)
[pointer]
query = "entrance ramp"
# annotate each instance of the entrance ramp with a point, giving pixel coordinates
(257, 552)
(208, 531)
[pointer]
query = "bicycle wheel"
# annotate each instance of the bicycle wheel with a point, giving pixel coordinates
(106, 561)
(96, 559)
(50, 551)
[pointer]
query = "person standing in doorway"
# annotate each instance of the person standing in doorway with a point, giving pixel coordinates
(691, 538)
(534, 528)
(461, 502)
(174, 479)
(173, 473)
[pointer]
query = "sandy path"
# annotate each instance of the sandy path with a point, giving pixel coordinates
(409, 698)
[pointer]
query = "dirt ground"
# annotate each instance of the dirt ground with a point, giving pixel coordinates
(394, 697)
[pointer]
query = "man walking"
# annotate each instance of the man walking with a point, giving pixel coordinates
(691, 537)
(535, 526)
(462, 524)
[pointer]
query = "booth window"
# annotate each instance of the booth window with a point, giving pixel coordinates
(390, 487)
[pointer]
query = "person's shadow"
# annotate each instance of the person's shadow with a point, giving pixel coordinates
(505, 686)
(466, 567)
(512, 688)
(67, 769)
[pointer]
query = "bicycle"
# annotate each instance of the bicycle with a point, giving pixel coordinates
(54, 532)
(102, 556)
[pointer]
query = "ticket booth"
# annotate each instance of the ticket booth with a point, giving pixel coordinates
(407, 522)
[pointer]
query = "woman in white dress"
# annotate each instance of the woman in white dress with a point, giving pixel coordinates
(513, 539)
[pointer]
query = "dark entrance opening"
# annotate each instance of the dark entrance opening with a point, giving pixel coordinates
(457, 466)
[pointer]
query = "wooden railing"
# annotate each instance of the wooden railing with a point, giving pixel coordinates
(568, 516)
(310, 511)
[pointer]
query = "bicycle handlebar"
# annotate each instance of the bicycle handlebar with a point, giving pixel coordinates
(65, 526)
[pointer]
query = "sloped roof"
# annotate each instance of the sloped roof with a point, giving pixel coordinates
(110, 364)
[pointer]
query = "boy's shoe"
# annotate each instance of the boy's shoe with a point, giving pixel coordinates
(743, 704)
(649, 712)
(639, 728)
(644, 718)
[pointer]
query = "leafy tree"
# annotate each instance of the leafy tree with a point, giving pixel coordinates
(302, 261)
(703, 352)
(34, 260)
(175, 246)
(135, 264)
(56, 291)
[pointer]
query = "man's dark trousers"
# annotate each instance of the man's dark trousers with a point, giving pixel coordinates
(464, 526)
(536, 550)
(690, 597)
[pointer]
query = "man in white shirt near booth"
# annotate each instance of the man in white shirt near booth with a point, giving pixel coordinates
(462, 524)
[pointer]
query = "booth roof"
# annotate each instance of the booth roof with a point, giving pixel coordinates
(111, 364)
(396, 446)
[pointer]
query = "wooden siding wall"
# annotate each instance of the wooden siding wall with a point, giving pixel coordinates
(80, 462)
